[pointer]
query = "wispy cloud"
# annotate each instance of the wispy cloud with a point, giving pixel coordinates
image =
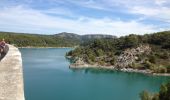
(99, 5)
(160, 2)
(161, 13)
(58, 11)
(26, 18)
(117, 17)
(157, 9)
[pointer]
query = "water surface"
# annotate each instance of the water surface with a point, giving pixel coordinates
(47, 77)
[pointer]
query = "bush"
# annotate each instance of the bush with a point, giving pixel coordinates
(164, 93)
(160, 69)
(99, 52)
(144, 95)
(165, 55)
(112, 62)
(149, 65)
(101, 62)
(152, 59)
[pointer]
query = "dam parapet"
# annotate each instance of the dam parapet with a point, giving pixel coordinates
(11, 75)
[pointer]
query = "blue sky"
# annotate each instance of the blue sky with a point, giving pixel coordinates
(115, 17)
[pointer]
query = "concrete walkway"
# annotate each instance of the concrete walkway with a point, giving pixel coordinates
(11, 76)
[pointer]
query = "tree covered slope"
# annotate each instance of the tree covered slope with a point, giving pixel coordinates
(57, 40)
(150, 51)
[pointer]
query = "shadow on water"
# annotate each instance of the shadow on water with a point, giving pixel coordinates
(131, 75)
(125, 75)
(96, 70)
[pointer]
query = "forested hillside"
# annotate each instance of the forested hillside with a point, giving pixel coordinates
(24, 40)
(57, 40)
(150, 51)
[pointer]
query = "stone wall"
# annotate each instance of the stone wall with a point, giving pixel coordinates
(11, 76)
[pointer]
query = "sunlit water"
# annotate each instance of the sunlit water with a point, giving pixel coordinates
(47, 77)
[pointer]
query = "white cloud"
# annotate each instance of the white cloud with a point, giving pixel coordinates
(157, 9)
(58, 11)
(145, 11)
(99, 5)
(161, 13)
(28, 20)
(110, 5)
(160, 2)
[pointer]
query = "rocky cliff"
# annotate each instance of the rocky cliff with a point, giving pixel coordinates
(124, 61)
(130, 56)
(11, 76)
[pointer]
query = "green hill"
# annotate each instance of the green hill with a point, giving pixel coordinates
(57, 40)
(149, 52)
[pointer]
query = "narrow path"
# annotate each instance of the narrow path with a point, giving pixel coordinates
(11, 76)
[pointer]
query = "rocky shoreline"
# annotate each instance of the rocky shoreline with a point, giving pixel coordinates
(131, 70)
(130, 60)
(44, 47)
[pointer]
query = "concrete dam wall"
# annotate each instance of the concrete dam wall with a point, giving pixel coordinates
(11, 75)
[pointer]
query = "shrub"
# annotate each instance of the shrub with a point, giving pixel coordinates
(160, 69)
(152, 59)
(149, 65)
(112, 62)
(164, 93)
(144, 95)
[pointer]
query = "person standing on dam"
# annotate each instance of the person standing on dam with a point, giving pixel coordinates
(3, 49)
(2, 45)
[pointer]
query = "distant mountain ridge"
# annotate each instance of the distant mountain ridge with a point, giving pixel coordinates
(68, 35)
(88, 36)
(63, 39)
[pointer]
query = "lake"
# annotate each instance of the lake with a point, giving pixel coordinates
(47, 77)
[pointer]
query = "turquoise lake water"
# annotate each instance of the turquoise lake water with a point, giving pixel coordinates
(47, 77)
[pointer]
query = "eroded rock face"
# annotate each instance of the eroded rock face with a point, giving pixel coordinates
(11, 76)
(130, 55)
(122, 61)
